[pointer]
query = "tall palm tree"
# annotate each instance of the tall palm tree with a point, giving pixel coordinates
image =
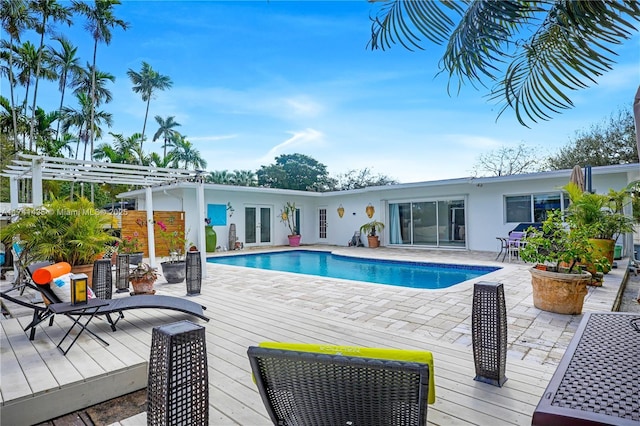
(146, 82)
(45, 10)
(184, 151)
(166, 131)
(532, 52)
(80, 118)
(15, 19)
(66, 64)
(100, 19)
(85, 80)
(155, 160)
(57, 147)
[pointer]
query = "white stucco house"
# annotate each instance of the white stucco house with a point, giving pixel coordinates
(464, 213)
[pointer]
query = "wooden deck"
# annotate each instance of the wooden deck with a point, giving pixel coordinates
(38, 383)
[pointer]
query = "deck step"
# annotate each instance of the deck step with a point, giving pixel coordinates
(45, 385)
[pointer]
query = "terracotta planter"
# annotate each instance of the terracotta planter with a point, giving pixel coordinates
(557, 292)
(142, 286)
(373, 241)
(84, 269)
(294, 240)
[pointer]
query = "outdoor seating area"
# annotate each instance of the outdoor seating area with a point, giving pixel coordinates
(247, 307)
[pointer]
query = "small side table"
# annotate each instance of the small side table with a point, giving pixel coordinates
(75, 313)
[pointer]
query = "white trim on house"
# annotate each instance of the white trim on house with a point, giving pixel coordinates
(483, 197)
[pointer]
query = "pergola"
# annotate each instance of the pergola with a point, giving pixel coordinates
(39, 168)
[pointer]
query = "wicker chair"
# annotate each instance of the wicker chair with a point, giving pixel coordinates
(342, 385)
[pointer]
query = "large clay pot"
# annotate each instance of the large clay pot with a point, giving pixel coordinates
(557, 292)
(294, 240)
(373, 241)
(174, 272)
(601, 248)
(84, 269)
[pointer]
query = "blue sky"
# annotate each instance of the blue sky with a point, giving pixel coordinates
(253, 80)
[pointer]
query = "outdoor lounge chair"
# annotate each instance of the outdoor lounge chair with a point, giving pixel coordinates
(303, 384)
(115, 307)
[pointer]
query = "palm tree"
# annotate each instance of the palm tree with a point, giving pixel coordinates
(80, 119)
(184, 151)
(45, 9)
(245, 178)
(86, 80)
(66, 64)
(124, 150)
(145, 82)
(569, 44)
(166, 131)
(57, 147)
(155, 160)
(222, 177)
(15, 19)
(100, 19)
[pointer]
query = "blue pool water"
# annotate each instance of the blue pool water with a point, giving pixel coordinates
(324, 264)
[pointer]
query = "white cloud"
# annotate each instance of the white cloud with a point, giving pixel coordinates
(303, 138)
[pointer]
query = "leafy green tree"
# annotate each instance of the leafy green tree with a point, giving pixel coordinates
(146, 82)
(296, 171)
(533, 52)
(610, 142)
(185, 152)
(15, 20)
(66, 64)
(355, 179)
(100, 21)
(509, 160)
(166, 131)
(46, 11)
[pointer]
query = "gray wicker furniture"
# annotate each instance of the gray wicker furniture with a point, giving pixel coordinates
(489, 332)
(122, 273)
(598, 379)
(102, 280)
(178, 384)
(306, 388)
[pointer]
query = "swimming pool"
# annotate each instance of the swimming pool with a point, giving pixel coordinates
(405, 274)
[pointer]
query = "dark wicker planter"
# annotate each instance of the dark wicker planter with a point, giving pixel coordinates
(174, 272)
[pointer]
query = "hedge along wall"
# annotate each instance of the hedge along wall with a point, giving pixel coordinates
(134, 225)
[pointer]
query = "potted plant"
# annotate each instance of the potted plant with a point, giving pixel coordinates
(174, 269)
(601, 216)
(130, 244)
(288, 217)
(558, 281)
(142, 279)
(63, 231)
(370, 228)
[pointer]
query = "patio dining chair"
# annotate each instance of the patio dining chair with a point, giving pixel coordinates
(306, 384)
(515, 243)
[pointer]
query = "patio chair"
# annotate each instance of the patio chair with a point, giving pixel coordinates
(114, 307)
(515, 243)
(304, 384)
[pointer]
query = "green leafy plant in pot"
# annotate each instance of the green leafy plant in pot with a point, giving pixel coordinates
(288, 217)
(558, 281)
(601, 216)
(63, 231)
(370, 228)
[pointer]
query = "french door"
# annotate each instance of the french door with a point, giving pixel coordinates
(257, 225)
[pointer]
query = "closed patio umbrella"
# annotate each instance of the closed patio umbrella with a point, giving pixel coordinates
(577, 177)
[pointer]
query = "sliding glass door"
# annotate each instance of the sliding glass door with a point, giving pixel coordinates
(437, 223)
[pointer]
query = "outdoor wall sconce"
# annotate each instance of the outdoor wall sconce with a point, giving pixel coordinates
(79, 283)
(370, 210)
(340, 211)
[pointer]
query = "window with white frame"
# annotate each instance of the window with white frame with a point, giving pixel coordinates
(533, 207)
